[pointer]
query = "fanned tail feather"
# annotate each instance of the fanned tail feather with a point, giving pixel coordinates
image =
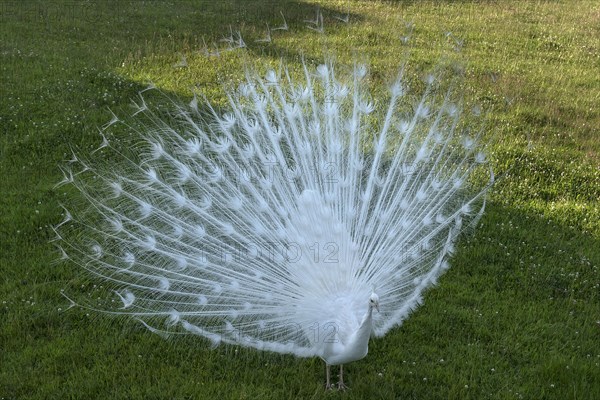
(242, 227)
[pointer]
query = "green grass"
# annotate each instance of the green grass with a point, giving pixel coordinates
(517, 315)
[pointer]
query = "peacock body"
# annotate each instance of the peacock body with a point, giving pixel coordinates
(302, 220)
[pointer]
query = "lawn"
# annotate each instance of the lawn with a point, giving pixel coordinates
(517, 315)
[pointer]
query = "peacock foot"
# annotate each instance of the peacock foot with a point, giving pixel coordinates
(329, 386)
(341, 386)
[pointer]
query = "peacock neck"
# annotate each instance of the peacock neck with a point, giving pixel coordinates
(364, 330)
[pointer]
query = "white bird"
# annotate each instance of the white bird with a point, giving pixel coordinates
(303, 220)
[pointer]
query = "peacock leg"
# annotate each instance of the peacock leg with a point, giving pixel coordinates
(340, 384)
(328, 385)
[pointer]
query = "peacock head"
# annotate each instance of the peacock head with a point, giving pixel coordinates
(374, 302)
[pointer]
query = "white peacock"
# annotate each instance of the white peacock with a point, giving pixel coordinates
(303, 220)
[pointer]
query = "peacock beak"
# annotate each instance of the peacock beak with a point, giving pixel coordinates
(377, 307)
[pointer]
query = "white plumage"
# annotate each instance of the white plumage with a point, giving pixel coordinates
(284, 222)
